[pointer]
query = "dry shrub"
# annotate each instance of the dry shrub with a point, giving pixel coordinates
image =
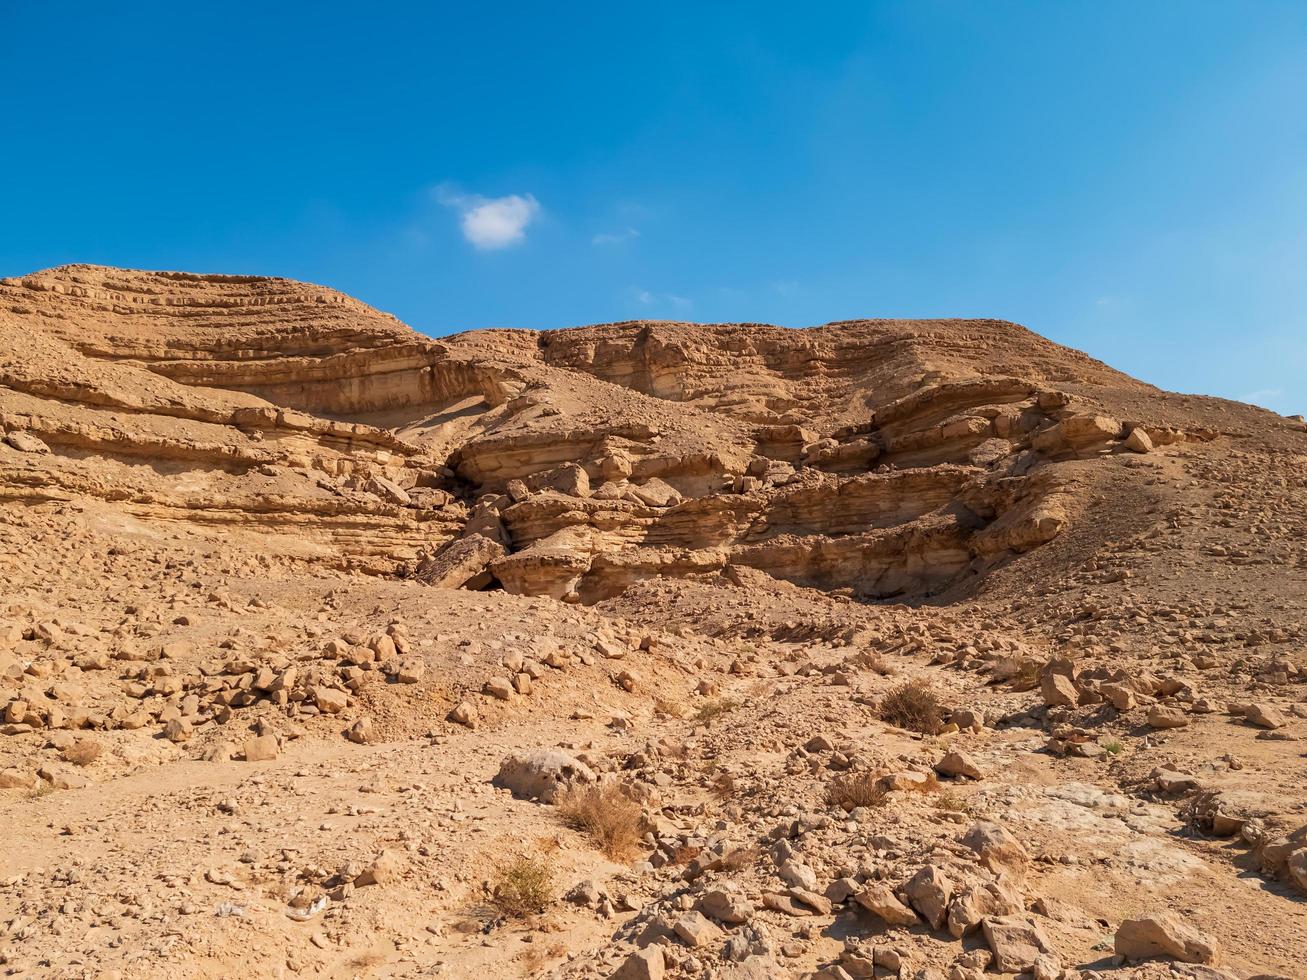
(1027, 676)
(712, 710)
(83, 752)
(685, 853)
(533, 959)
(915, 706)
(669, 708)
(928, 785)
(523, 887)
(368, 959)
(607, 815)
(722, 786)
(855, 789)
(868, 660)
(741, 858)
(954, 802)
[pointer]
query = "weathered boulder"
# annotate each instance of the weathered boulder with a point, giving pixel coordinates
(957, 763)
(25, 442)
(464, 564)
(1163, 935)
(996, 848)
(929, 891)
(643, 964)
(1015, 943)
(542, 775)
(878, 899)
(1161, 716)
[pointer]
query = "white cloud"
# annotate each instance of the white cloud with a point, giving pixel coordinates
(646, 297)
(491, 223)
(1261, 395)
(615, 237)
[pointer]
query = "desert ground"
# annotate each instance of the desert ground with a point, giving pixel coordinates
(925, 649)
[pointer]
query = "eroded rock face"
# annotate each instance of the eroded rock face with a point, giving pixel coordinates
(569, 464)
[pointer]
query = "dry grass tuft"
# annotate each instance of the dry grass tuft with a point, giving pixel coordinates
(741, 858)
(954, 802)
(722, 786)
(523, 887)
(1027, 677)
(915, 706)
(855, 789)
(607, 815)
(668, 708)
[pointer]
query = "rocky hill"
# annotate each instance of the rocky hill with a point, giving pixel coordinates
(902, 645)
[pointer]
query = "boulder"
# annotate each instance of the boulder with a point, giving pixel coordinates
(464, 564)
(1138, 442)
(929, 891)
(996, 849)
(12, 778)
(695, 930)
(656, 493)
(25, 442)
(542, 775)
(973, 904)
(877, 898)
(260, 749)
(1058, 690)
(1076, 432)
(1160, 716)
(1015, 943)
(726, 904)
(385, 868)
(1265, 716)
(643, 964)
(958, 764)
(463, 713)
(1163, 935)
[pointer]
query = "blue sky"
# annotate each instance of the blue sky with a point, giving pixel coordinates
(1128, 178)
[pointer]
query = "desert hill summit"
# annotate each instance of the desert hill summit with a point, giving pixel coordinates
(916, 648)
(887, 458)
